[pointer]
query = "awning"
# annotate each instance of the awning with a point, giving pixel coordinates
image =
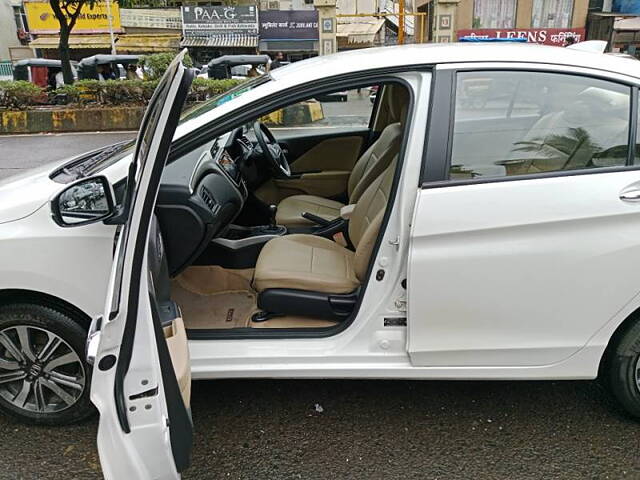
(628, 24)
(222, 40)
(138, 43)
(125, 43)
(75, 42)
(360, 34)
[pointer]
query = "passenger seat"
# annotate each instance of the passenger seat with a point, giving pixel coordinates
(299, 274)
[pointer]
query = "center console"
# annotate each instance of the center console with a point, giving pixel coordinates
(239, 247)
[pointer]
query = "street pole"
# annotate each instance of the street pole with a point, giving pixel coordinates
(113, 42)
(400, 22)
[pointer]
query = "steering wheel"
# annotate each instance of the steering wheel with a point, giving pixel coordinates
(270, 148)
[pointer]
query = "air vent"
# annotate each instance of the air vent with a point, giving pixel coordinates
(274, 5)
(206, 196)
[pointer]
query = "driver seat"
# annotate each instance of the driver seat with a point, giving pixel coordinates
(308, 275)
(368, 167)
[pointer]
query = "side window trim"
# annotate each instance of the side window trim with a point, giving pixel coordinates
(437, 146)
(435, 166)
(633, 127)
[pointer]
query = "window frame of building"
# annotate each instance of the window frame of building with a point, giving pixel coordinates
(543, 5)
(495, 6)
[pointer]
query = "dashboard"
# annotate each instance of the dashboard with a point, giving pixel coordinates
(200, 194)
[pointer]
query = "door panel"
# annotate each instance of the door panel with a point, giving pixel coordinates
(328, 184)
(321, 162)
(176, 337)
(520, 272)
(325, 153)
(142, 396)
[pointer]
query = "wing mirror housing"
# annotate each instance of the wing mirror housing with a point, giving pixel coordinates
(89, 200)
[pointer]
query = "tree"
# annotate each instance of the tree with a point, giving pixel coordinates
(67, 13)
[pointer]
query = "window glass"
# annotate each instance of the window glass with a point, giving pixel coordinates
(339, 109)
(516, 123)
(494, 13)
(551, 13)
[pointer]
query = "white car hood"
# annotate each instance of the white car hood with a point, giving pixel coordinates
(23, 194)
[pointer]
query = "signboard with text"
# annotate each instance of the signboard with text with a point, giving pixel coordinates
(204, 21)
(289, 25)
(42, 20)
(546, 36)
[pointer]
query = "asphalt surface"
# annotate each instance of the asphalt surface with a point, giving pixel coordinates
(20, 152)
(285, 429)
(274, 429)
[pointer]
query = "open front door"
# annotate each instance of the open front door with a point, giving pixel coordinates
(141, 376)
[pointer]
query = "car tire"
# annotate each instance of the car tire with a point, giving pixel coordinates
(622, 370)
(52, 370)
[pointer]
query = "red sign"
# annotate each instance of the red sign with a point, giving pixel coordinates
(547, 36)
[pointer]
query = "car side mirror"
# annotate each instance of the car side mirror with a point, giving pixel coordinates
(89, 200)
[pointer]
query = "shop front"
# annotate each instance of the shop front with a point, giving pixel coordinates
(548, 22)
(212, 31)
(292, 32)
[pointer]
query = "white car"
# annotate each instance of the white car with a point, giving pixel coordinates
(483, 226)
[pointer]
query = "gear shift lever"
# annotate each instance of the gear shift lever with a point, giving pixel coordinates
(272, 217)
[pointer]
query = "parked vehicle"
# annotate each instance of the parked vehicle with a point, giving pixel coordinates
(40, 71)
(498, 242)
(113, 66)
(236, 66)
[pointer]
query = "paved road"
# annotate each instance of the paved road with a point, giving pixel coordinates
(267, 429)
(20, 152)
(255, 429)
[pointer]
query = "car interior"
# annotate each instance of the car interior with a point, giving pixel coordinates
(272, 225)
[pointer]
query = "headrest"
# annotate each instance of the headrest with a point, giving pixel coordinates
(397, 101)
(605, 102)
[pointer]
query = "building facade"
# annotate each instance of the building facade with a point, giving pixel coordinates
(13, 32)
(540, 21)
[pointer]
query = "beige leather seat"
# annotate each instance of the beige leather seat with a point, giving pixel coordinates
(368, 167)
(308, 262)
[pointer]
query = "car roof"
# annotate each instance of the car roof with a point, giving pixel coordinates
(434, 53)
(365, 59)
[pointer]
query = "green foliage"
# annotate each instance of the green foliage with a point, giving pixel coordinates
(111, 92)
(20, 94)
(204, 88)
(155, 65)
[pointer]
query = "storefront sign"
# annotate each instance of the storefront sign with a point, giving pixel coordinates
(206, 21)
(168, 18)
(289, 25)
(42, 20)
(546, 36)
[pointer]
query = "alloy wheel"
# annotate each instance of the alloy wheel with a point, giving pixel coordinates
(39, 371)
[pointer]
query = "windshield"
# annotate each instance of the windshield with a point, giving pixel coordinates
(214, 102)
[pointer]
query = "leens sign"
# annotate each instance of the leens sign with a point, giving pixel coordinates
(546, 36)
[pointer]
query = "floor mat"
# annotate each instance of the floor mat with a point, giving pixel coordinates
(231, 309)
(213, 297)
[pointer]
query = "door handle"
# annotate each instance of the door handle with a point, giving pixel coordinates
(631, 196)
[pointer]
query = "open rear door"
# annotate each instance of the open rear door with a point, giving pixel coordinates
(141, 375)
